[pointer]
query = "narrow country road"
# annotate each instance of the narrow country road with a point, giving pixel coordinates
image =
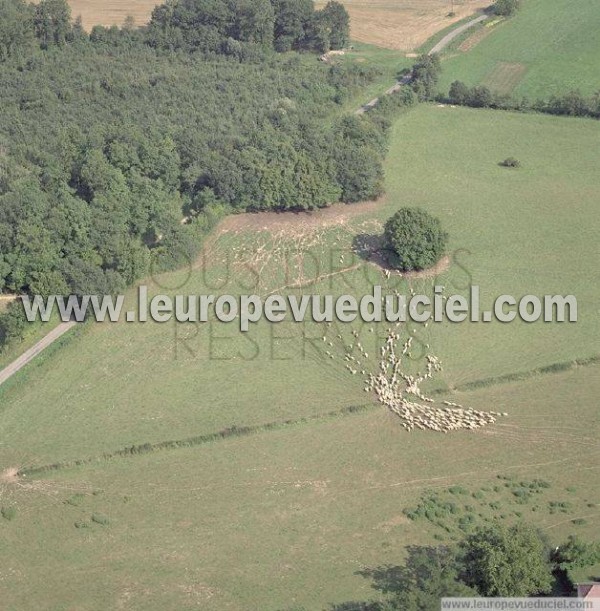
(30, 354)
(442, 44)
(438, 48)
(369, 105)
(62, 328)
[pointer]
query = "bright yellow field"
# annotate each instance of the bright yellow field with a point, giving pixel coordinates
(394, 24)
(112, 12)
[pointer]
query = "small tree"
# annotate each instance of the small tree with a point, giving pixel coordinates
(16, 28)
(426, 75)
(500, 561)
(506, 8)
(459, 93)
(415, 238)
(576, 553)
(337, 19)
(429, 575)
(52, 22)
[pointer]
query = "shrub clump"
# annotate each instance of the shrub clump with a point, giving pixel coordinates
(415, 239)
(9, 513)
(99, 518)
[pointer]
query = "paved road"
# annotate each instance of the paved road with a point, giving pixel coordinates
(30, 354)
(403, 81)
(62, 328)
(440, 46)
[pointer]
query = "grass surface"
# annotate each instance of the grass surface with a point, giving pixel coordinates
(284, 517)
(388, 64)
(554, 43)
(404, 24)
(33, 334)
(512, 231)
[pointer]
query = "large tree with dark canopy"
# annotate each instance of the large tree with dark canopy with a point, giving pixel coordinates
(415, 240)
(506, 561)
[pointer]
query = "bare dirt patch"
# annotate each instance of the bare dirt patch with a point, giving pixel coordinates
(372, 249)
(294, 222)
(6, 300)
(288, 249)
(9, 476)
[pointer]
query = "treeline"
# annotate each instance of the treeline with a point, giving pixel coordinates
(493, 561)
(116, 157)
(223, 25)
(230, 27)
(425, 78)
(572, 104)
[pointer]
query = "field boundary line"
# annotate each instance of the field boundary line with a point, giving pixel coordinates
(246, 431)
(526, 375)
(197, 440)
(437, 48)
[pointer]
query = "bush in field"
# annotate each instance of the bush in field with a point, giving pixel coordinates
(9, 513)
(101, 519)
(506, 8)
(576, 553)
(510, 162)
(415, 238)
(459, 93)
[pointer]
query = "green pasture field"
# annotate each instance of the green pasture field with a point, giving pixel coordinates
(34, 333)
(283, 516)
(527, 231)
(552, 46)
(285, 519)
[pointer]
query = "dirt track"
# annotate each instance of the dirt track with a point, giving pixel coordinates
(442, 44)
(30, 354)
(438, 48)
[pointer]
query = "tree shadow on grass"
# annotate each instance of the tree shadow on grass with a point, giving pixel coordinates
(372, 248)
(429, 574)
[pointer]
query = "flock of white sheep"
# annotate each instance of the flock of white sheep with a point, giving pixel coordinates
(400, 392)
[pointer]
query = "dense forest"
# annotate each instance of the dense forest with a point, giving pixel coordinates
(121, 148)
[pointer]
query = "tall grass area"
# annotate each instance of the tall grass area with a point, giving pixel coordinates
(555, 40)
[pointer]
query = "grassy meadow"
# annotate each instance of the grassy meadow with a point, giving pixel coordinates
(294, 505)
(328, 493)
(549, 47)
